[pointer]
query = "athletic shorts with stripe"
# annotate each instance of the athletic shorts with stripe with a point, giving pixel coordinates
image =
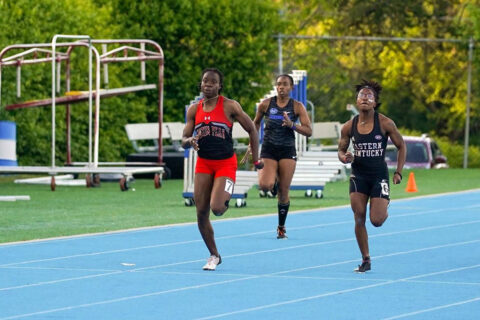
(375, 187)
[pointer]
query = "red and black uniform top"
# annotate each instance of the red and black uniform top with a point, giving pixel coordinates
(214, 131)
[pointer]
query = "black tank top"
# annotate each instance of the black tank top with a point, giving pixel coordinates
(274, 133)
(369, 150)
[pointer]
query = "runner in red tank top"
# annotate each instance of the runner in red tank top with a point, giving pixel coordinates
(212, 119)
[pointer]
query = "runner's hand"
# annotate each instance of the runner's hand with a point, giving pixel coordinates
(259, 165)
(397, 178)
(194, 143)
(286, 120)
(348, 157)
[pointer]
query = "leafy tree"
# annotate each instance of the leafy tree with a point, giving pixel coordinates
(424, 83)
(470, 18)
(23, 21)
(232, 35)
(235, 36)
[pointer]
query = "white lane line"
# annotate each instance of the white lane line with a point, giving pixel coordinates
(101, 253)
(218, 238)
(38, 284)
(168, 226)
(353, 278)
(268, 251)
(445, 306)
(459, 283)
(231, 281)
(273, 305)
(249, 276)
(332, 242)
(61, 269)
(126, 298)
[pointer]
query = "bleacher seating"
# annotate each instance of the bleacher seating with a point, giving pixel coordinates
(171, 132)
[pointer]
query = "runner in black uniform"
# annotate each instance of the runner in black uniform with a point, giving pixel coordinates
(369, 170)
(369, 132)
(278, 149)
(278, 140)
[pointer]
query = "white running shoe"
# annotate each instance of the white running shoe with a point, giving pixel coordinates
(212, 263)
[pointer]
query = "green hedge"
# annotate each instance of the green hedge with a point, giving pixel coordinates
(454, 153)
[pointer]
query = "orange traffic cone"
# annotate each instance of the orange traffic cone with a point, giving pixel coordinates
(411, 185)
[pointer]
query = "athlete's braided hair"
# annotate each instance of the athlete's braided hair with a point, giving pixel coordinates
(372, 85)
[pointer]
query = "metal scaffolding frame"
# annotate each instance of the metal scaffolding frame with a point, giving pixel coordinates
(52, 53)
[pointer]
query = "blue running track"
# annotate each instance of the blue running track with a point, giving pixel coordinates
(425, 265)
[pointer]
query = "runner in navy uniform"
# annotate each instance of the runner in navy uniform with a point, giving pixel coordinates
(278, 148)
(369, 132)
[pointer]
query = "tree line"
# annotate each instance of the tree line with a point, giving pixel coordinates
(424, 82)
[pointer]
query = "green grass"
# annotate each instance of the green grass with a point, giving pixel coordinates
(78, 210)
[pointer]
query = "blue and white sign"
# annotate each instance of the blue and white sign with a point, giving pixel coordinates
(8, 143)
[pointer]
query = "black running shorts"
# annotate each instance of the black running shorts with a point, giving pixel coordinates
(270, 151)
(376, 187)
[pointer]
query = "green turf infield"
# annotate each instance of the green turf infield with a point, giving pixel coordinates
(78, 210)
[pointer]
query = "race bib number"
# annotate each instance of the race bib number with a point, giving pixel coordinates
(385, 189)
(229, 186)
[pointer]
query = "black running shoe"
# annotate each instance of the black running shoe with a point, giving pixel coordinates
(281, 233)
(365, 266)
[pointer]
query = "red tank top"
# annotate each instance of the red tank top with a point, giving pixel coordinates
(215, 132)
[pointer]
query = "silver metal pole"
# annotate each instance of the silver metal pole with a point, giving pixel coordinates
(97, 101)
(105, 66)
(469, 92)
(54, 41)
(0, 84)
(388, 39)
(142, 63)
(280, 55)
(310, 103)
(19, 82)
(59, 65)
(90, 98)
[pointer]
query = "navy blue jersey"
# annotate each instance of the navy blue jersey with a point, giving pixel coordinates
(369, 151)
(275, 133)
